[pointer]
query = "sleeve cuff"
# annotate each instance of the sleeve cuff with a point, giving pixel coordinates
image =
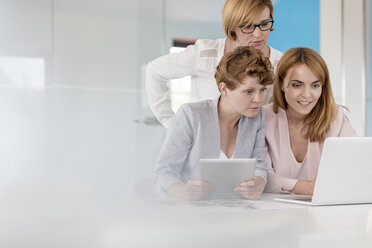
(288, 185)
(167, 123)
(162, 184)
(280, 184)
(261, 173)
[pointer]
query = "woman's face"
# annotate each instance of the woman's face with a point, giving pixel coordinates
(247, 98)
(257, 38)
(302, 89)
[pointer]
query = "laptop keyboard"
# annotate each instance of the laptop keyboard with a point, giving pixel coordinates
(305, 198)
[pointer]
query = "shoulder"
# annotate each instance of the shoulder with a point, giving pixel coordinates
(269, 111)
(258, 120)
(274, 53)
(340, 112)
(275, 56)
(273, 119)
(210, 49)
(209, 44)
(197, 108)
(339, 117)
(208, 54)
(339, 124)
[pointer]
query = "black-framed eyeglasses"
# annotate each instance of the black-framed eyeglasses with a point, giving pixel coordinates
(264, 26)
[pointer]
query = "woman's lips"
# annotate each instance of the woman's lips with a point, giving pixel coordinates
(256, 43)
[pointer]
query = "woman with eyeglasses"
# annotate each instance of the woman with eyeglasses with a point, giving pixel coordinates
(245, 22)
(303, 114)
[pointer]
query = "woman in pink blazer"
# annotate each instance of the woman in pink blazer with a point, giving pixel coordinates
(303, 114)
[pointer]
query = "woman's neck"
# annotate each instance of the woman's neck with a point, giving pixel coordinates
(226, 116)
(230, 45)
(294, 118)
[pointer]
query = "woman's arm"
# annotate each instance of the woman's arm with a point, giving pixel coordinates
(168, 178)
(347, 129)
(174, 152)
(192, 190)
(260, 148)
(276, 183)
(304, 187)
(252, 189)
(162, 69)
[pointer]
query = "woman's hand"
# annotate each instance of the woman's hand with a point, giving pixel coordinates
(304, 187)
(251, 189)
(193, 190)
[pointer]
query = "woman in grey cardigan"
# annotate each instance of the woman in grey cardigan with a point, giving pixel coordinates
(231, 126)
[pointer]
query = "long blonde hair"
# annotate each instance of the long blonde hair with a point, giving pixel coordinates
(325, 110)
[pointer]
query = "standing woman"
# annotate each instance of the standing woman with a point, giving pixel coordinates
(303, 114)
(245, 22)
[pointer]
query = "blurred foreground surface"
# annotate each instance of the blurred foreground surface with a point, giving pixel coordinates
(75, 169)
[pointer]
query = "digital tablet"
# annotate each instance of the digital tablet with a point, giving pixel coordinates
(225, 174)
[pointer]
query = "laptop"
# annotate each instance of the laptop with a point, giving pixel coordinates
(344, 175)
(224, 175)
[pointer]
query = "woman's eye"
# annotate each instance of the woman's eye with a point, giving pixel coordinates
(249, 92)
(263, 89)
(264, 25)
(316, 85)
(296, 85)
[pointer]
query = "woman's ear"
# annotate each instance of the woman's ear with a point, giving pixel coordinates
(223, 88)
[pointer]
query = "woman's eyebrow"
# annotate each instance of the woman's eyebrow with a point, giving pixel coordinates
(266, 20)
(295, 80)
(317, 81)
(298, 81)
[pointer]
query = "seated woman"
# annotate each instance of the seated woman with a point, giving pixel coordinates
(230, 126)
(303, 114)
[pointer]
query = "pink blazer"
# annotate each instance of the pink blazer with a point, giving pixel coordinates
(283, 168)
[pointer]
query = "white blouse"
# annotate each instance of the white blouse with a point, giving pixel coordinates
(223, 155)
(198, 61)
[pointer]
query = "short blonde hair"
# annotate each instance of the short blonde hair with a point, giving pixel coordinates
(240, 12)
(325, 110)
(241, 63)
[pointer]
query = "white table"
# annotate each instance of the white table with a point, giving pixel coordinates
(49, 215)
(290, 225)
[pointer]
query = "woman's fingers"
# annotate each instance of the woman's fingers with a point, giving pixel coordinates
(198, 185)
(245, 190)
(196, 189)
(249, 183)
(251, 189)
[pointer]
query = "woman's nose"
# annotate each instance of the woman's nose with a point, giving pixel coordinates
(258, 97)
(257, 32)
(306, 92)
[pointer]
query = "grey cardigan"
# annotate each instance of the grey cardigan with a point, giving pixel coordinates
(195, 134)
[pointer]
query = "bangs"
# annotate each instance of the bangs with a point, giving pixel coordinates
(248, 19)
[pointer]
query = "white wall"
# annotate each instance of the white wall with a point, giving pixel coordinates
(331, 43)
(95, 43)
(26, 31)
(343, 45)
(79, 128)
(193, 19)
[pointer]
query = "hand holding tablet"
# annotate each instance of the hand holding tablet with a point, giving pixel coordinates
(251, 189)
(224, 175)
(196, 189)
